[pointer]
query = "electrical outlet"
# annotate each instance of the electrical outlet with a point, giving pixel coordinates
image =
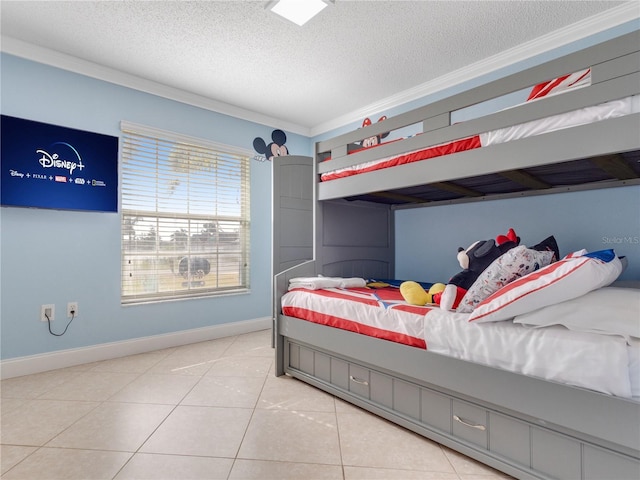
(48, 310)
(72, 309)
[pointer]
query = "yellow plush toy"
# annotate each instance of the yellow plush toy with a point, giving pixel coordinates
(414, 294)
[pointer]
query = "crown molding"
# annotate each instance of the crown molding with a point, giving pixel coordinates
(559, 38)
(70, 63)
(593, 25)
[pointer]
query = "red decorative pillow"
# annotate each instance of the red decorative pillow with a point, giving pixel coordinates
(568, 278)
(561, 84)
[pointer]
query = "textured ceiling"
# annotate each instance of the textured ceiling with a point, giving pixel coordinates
(353, 55)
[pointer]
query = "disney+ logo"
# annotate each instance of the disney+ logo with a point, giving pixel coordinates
(53, 160)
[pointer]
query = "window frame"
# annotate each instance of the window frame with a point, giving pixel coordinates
(193, 284)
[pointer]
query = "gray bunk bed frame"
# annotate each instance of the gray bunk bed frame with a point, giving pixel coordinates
(524, 426)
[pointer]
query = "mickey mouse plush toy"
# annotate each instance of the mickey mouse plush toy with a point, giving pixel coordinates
(276, 148)
(474, 260)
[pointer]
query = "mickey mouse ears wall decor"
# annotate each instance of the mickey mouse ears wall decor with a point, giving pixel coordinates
(298, 11)
(276, 148)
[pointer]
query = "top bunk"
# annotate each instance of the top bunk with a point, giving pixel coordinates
(579, 129)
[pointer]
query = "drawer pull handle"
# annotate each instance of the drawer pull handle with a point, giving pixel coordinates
(467, 424)
(358, 380)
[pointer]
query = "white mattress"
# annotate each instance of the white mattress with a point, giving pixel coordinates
(634, 367)
(604, 363)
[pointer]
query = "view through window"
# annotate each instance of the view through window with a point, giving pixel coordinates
(185, 216)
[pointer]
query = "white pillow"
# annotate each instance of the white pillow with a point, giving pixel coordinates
(609, 310)
(513, 264)
(634, 366)
(571, 277)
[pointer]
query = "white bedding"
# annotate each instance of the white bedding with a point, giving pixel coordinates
(634, 367)
(314, 283)
(589, 360)
(604, 363)
(583, 116)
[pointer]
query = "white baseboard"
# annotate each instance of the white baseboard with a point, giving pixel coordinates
(17, 367)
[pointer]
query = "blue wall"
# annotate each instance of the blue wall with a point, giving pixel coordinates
(50, 256)
(427, 238)
(59, 256)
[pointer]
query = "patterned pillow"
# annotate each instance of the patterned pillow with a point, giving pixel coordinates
(571, 277)
(513, 264)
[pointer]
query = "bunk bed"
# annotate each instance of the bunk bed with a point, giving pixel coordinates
(525, 425)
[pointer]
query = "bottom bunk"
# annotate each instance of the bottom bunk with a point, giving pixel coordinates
(525, 426)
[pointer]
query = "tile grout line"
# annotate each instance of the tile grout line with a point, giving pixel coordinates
(175, 407)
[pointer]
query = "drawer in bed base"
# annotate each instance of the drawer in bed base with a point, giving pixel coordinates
(519, 448)
(402, 397)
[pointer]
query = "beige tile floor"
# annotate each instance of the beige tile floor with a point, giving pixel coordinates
(211, 410)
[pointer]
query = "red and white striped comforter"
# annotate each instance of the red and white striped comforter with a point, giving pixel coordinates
(588, 360)
(380, 313)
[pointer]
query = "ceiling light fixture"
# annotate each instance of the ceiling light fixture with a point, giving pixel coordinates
(297, 11)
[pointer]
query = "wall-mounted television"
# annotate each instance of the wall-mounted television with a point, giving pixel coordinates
(49, 166)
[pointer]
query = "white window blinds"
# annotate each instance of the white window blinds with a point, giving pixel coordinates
(185, 216)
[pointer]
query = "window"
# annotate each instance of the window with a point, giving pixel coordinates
(185, 216)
